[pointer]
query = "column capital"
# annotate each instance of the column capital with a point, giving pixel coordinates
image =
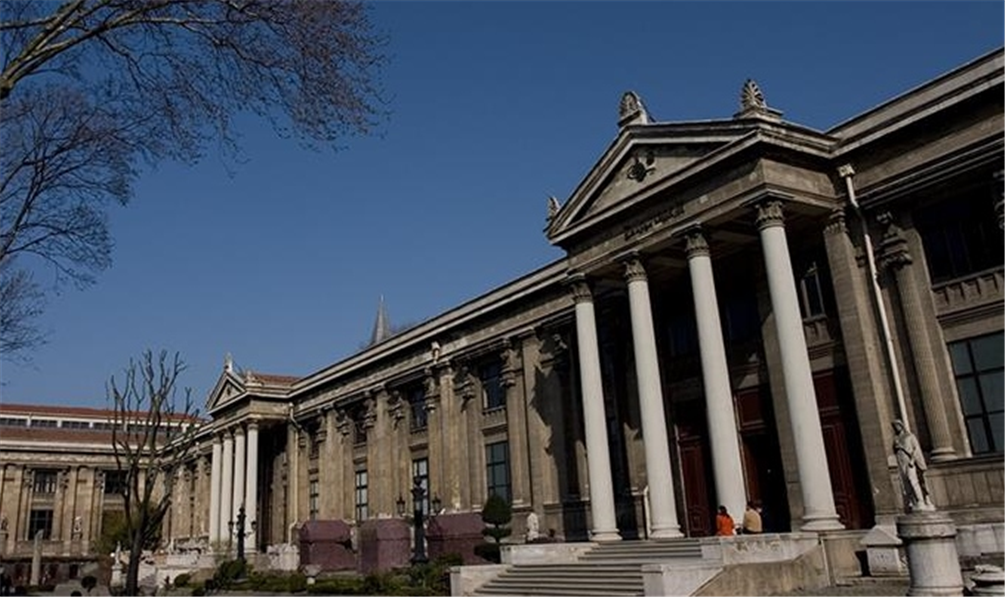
(770, 212)
(238, 429)
(893, 246)
(836, 222)
(634, 270)
(579, 287)
(253, 424)
(696, 244)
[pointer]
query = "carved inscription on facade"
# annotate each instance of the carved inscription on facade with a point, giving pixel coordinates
(655, 221)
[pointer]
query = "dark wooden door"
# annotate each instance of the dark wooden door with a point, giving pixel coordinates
(844, 449)
(692, 445)
(762, 460)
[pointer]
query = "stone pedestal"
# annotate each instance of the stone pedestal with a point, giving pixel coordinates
(930, 543)
(884, 552)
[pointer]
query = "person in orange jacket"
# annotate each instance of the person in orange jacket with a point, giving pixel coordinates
(724, 523)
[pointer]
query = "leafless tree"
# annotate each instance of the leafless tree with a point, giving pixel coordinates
(20, 303)
(91, 91)
(152, 433)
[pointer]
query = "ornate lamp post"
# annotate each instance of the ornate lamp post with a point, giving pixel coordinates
(418, 518)
(239, 532)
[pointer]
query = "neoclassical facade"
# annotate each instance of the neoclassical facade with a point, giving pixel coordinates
(743, 309)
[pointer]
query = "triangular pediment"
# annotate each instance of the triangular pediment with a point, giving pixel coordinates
(229, 388)
(639, 160)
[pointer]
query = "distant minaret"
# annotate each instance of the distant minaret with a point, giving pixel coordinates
(382, 326)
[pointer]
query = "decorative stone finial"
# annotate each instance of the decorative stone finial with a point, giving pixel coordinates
(751, 96)
(752, 103)
(553, 207)
(228, 363)
(631, 110)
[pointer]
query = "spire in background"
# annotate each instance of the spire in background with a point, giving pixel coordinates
(382, 326)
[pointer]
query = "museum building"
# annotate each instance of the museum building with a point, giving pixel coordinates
(744, 308)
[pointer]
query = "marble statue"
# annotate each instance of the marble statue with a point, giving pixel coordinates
(911, 466)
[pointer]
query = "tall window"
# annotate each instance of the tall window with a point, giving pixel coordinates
(493, 393)
(40, 520)
(359, 426)
(420, 471)
(313, 498)
(115, 482)
(44, 481)
(362, 496)
(497, 469)
(961, 236)
(978, 366)
(418, 417)
(811, 296)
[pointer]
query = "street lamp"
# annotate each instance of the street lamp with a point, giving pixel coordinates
(418, 516)
(238, 531)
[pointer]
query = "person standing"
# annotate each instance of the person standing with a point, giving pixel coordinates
(724, 526)
(752, 524)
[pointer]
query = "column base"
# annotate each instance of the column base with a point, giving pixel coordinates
(942, 455)
(821, 523)
(666, 533)
(605, 536)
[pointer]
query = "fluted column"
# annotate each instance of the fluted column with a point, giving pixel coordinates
(251, 488)
(227, 486)
(663, 508)
(726, 467)
(811, 457)
(215, 484)
(897, 258)
(240, 455)
(598, 458)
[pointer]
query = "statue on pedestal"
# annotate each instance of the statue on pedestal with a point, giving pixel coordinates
(912, 467)
(533, 528)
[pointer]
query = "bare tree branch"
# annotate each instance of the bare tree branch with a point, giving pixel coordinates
(91, 90)
(151, 430)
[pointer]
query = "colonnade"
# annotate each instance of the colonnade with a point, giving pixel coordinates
(234, 483)
(814, 478)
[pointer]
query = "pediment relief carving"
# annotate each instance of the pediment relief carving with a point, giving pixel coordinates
(642, 166)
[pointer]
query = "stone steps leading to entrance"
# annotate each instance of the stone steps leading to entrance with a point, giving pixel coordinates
(607, 569)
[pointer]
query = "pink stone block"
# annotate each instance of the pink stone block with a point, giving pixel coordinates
(384, 544)
(328, 544)
(456, 533)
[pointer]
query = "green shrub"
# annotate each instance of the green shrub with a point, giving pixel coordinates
(182, 580)
(278, 582)
(498, 514)
(348, 585)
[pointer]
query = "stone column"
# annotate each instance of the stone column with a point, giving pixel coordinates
(227, 487)
(215, 484)
(819, 513)
(598, 458)
(727, 469)
(663, 507)
(251, 488)
(862, 340)
(896, 257)
(240, 462)
(516, 417)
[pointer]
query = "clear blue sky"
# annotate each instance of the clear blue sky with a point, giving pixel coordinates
(494, 106)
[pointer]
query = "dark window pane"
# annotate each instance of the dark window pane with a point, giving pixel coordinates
(989, 352)
(997, 429)
(969, 396)
(978, 437)
(961, 358)
(994, 391)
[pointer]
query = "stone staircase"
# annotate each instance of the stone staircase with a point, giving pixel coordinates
(608, 569)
